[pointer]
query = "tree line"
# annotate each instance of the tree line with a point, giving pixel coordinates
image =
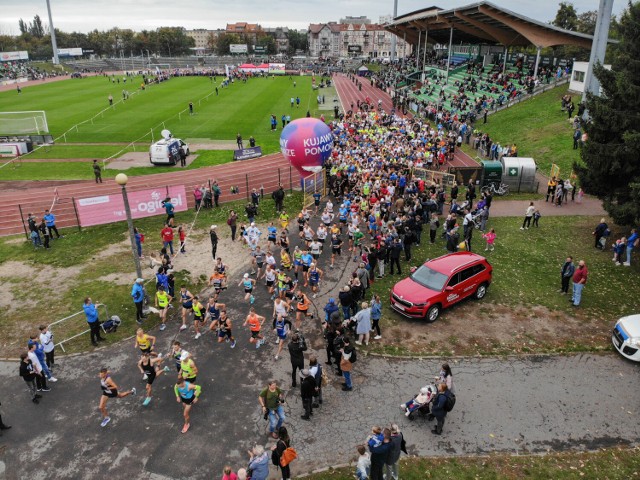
(164, 41)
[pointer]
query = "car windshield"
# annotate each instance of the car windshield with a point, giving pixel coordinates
(429, 278)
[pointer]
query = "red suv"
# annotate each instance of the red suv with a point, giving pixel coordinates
(440, 283)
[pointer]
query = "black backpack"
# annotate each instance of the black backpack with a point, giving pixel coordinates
(354, 357)
(450, 403)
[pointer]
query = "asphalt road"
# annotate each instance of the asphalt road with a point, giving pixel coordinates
(528, 404)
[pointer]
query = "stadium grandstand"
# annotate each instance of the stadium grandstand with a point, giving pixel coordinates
(477, 71)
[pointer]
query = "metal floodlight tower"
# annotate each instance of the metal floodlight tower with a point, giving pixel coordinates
(394, 36)
(598, 47)
(54, 45)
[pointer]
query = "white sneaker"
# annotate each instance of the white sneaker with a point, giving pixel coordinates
(145, 376)
(403, 406)
(377, 337)
(183, 327)
(276, 357)
(198, 335)
(133, 391)
(53, 379)
(159, 355)
(407, 413)
(162, 326)
(358, 343)
(626, 264)
(521, 228)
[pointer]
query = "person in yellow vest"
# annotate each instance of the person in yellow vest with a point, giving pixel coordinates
(285, 259)
(145, 342)
(188, 368)
(198, 316)
(551, 188)
(163, 301)
(284, 219)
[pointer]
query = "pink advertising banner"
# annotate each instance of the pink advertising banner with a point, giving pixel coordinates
(144, 203)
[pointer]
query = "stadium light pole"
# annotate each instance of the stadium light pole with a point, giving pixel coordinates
(394, 36)
(54, 45)
(598, 47)
(122, 179)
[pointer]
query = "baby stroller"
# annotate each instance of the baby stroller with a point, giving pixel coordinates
(420, 402)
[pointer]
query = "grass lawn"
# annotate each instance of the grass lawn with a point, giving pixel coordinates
(65, 151)
(612, 464)
(83, 170)
(525, 280)
(243, 108)
(540, 130)
(85, 263)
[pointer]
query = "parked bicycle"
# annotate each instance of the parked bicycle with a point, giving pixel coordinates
(499, 189)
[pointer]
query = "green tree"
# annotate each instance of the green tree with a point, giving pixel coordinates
(22, 25)
(611, 168)
(269, 42)
(226, 39)
(586, 22)
(566, 17)
(36, 28)
(297, 41)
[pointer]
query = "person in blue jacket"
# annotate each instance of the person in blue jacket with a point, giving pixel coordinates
(137, 293)
(329, 308)
(50, 221)
(91, 311)
(379, 444)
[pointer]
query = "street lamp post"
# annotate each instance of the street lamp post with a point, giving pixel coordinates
(122, 179)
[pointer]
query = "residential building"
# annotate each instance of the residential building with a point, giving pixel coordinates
(342, 40)
(251, 31)
(280, 35)
(201, 37)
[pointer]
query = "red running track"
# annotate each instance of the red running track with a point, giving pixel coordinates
(267, 171)
(349, 94)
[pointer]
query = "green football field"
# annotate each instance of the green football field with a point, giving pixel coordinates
(241, 107)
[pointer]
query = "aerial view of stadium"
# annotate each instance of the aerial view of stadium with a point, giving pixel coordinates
(373, 240)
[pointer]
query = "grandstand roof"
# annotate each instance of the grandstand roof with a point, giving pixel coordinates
(486, 23)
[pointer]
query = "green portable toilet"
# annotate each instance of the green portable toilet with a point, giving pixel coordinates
(491, 172)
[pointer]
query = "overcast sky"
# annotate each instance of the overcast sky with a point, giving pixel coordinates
(86, 15)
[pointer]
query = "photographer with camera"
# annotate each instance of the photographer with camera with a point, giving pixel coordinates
(271, 400)
(297, 347)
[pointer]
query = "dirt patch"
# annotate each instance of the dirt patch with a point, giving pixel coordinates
(139, 159)
(497, 330)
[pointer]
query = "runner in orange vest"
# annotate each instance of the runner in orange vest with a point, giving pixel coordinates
(255, 322)
(302, 308)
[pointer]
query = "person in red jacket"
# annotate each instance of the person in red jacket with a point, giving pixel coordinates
(579, 281)
(167, 237)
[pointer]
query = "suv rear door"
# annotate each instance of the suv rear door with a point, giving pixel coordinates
(469, 280)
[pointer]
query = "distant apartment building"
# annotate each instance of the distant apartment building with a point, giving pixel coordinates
(361, 39)
(361, 20)
(251, 31)
(201, 37)
(281, 37)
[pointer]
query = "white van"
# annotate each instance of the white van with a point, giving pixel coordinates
(168, 151)
(626, 337)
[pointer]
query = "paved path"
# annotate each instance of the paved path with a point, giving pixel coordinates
(517, 208)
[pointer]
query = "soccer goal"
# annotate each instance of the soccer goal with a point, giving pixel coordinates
(23, 123)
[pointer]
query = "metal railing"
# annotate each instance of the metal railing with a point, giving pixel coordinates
(81, 312)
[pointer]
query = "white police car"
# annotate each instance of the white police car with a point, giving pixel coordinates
(626, 337)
